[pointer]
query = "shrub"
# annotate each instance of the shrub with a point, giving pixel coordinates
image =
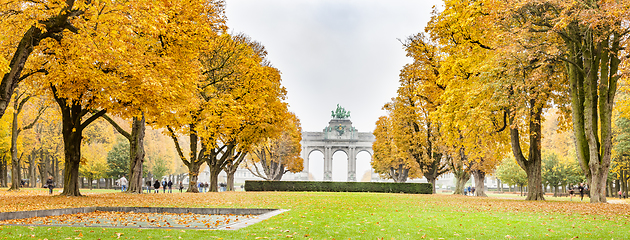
(310, 186)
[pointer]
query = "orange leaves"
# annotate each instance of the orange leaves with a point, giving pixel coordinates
(277, 153)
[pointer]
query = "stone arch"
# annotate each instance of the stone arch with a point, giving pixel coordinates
(308, 169)
(363, 165)
(339, 135)
(338, 158)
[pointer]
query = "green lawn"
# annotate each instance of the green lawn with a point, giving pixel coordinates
(372, 216)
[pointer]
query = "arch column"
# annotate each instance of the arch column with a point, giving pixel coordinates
(305, 154)
(352, 164)
(327, 164)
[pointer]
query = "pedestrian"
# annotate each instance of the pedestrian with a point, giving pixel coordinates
(148, 185)
(469, 190)
(465, 191)
(581, 188)
(50, 184)
(123, 183)
(156, 186)
(181, 186)
(619, 194)
(200, 186)
(164, 185)
(170, 186)
(571, 192)
(473, 191)
(206, 185)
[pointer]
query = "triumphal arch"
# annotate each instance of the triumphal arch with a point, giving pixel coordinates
(339, 135)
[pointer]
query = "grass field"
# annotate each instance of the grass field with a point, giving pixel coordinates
(345, 216)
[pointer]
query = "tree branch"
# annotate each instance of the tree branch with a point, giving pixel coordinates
(179, 149)
(92, 118)
(117, 127)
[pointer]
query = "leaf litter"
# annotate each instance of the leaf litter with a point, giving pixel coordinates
(133, 219)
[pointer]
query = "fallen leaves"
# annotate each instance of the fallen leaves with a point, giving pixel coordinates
(132, 219)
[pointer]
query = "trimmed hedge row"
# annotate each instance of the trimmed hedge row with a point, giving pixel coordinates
(310, 186)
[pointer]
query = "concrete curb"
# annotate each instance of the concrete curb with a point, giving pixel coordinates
(263, 214)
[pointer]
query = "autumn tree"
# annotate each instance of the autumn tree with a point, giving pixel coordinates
(239, 102)
(21, 98)
(387, 161)
(33, 22)
(502, 73)
(87, 75)
(278, 155)
(588, 38)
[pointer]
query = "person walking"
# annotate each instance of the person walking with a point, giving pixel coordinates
(123, 183)
(571, 192)
(181, 186)
(50, 184)
(164, 185)
(170, 186)
(148, 185)
(581, 188)
(473, 191)
(200, 186)
(156, 186)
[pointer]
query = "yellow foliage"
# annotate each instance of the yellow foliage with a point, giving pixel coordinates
(4, 66)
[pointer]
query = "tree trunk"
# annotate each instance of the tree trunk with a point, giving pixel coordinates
(461, 178)
(214, 179)
(136, 148)
(232, 166)
(480, 187)
(72, 129)
(399, 174)
(71, 168)
(15, 161)
(593, 84)
(193, 174)
(431, 180)
(533, 164)
(32, 165)
(3, 171)
(72, 154)
(609, 189)
(216, 164)
(196, 158)
(57, 171)
(230, 181)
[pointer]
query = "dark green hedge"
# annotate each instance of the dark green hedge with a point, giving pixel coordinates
(309, 186)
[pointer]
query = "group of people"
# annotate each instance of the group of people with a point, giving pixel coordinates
(165, 185)
(580, 188)
(203, 186)
(469, 191)
(168, 185)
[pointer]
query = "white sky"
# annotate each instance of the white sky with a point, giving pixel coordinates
(333, 52)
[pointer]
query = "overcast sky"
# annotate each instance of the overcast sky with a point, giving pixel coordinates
(333, 51)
